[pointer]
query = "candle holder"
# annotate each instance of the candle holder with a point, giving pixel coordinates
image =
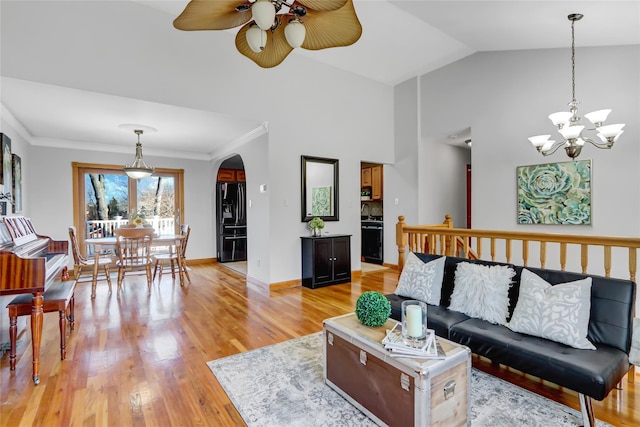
(414, 323)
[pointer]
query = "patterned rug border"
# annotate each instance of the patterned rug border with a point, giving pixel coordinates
(566, 416)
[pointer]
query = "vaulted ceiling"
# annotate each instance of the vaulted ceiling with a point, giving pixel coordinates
(400, 40)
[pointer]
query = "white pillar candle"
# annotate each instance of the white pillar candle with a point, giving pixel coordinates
(414, 320)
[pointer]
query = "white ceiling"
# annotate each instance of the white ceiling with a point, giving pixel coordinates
(400, 40)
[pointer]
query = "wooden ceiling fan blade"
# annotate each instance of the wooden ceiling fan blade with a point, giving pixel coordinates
(322, 5)
(211, 15)
(331, 29)
(275, 51)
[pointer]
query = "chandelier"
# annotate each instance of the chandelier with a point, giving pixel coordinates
(568, 122)
(138, 169)
(271, 29)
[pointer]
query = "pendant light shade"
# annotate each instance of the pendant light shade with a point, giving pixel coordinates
(264, 13)
(256, 38)
(294, 33)
(138, 169)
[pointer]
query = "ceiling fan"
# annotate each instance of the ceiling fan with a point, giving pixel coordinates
(271, 29)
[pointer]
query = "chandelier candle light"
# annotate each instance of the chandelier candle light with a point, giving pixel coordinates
(568, 122)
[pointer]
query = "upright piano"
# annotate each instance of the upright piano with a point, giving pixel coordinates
(30, 262)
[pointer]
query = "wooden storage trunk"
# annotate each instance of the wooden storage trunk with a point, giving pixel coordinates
(395, 391)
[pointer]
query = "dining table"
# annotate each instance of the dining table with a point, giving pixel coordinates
(100, 244)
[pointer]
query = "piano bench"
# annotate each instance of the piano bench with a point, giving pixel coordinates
(59, 296)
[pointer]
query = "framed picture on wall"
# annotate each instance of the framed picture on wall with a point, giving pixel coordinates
(17, 183)
(5, 164)
(555, 193)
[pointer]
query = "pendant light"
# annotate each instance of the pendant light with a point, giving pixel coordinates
(568, 122)
(138, 169)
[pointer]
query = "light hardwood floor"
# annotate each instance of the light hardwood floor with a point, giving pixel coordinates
(140, 359)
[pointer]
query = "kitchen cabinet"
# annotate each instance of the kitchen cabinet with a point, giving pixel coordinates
(376, 182)
(326, 260)
(365, 177)
(226, 175)
(231, 175)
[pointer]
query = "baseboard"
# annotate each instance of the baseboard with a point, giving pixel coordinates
(201, 261)
(392, 266)
(285, 285)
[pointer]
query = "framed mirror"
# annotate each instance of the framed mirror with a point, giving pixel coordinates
(319, 188)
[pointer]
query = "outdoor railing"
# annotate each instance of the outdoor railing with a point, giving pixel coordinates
(107, 228)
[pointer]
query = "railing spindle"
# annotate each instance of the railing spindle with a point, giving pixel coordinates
(607, 261)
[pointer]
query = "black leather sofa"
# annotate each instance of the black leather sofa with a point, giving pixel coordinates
(591, 373)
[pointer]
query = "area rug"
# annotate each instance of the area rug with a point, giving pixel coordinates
(282, 385)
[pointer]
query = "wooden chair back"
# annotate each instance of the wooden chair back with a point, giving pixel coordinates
(78, 259)
(134, 246)
(185, 230)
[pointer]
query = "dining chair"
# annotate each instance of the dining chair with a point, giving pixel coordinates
(134, 252)
(84, 266)
(172, 257)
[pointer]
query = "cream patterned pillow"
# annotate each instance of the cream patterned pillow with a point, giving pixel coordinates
(421, 280)
(558, 313)
(482, 291)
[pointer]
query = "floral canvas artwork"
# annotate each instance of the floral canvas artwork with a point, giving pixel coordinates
(321, 201)
(555, 193)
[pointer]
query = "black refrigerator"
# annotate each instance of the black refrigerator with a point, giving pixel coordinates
(231, 221)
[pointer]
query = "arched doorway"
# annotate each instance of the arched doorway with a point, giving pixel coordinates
(231, 212)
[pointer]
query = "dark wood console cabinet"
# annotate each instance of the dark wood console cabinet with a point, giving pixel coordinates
(326, 260)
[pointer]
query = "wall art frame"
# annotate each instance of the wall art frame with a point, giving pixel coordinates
(16, 183)
(5, 163)
(555, 193)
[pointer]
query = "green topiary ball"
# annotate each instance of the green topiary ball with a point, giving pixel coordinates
(373, 308)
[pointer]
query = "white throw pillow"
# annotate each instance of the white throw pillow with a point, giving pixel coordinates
(558, 313)
(420, 280)
(482, 291)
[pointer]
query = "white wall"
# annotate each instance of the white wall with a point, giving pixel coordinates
(311, 109)
(253, 156)
(401, 178)
(505, 97)
(19, 146)
(51, 197)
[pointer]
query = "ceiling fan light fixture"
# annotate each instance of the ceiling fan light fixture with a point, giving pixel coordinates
(263, 13)
(138, 169)
(295, 33)
(309, 24)
(256, 38)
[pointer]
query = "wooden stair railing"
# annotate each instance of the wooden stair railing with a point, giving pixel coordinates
(444, 239)
(438, 238)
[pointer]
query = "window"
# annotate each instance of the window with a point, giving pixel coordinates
(104, 198)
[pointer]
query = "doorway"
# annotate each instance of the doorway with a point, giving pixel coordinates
(231, 214)
(371, 215)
